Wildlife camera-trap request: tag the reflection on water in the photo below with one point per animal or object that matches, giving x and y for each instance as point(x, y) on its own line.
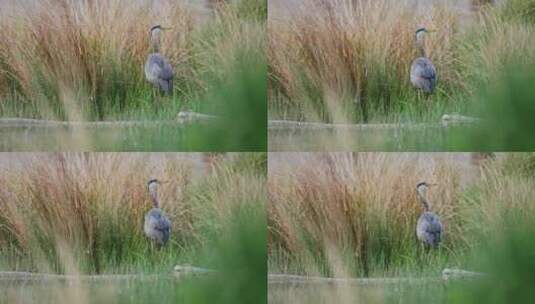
point(425, 292)
point(139, 138)
point(401, 139)
point(158, 290)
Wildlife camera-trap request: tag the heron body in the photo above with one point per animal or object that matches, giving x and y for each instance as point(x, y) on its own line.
point(423, 73)
point(428, 227)
point(157, 225)
point(158, 70)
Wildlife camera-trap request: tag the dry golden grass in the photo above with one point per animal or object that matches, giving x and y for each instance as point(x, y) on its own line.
point(505, 191)
point(92, 206)
point(357, 51)
point(349, 60)
point(494, 42)
point(364, 203)
point(81, 45)
point(84, 59)
point(234, 32)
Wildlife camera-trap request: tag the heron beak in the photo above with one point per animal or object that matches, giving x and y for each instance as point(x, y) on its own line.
point(166, 28)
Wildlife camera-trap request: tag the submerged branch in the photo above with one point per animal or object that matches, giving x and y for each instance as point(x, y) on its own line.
point(183, 119)
point(447, 275)
point(179, 272)
point(447, 120)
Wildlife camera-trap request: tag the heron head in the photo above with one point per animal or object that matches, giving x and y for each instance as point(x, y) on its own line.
point(423, 185)
point(157, 29)
point(155, 33)
point(153, 185)
point(420, 33)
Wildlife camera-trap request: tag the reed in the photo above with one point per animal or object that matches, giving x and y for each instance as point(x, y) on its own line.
point(343, 214)
point(83, 60)
point(84, 213)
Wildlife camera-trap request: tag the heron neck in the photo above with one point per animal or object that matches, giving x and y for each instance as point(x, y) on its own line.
point(421, 49)
point(420, 46)
point(423, 200)
point(155, 44)
point(154, 197)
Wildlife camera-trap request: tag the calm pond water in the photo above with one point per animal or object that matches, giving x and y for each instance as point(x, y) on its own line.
point(158, 290)
point(154, 137)
point(431, 292)
point(402, 139)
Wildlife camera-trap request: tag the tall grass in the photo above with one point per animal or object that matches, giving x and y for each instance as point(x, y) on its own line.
point(495, 41)
point(506, 258)
point(237, 252)
point(83, 213)
point(522, 10)
point(341, 55)
point(498, 65)
point(507, 100)
point(79, 60)
point(349, 61)
point(344, 214)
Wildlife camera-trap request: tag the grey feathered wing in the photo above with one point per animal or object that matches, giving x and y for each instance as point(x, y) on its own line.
point(164, 225)
point(159, 71)
point(423, 74)
point(429, 229)
point(157, 226)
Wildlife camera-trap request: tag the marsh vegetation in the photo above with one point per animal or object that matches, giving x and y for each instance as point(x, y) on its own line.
point(353, 215)
point(80, 214)
point(344, 214)
point(83, 61)
point(348, 62)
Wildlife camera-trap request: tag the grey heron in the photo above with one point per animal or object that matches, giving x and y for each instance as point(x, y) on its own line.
point(423, 72)
point(158, 70)
point(157, 225)
point(429, 227)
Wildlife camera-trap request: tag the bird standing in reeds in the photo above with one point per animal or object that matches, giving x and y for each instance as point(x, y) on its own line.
point(158, 70)
point(429, 227)
point(423, 73)
point(157, 225)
